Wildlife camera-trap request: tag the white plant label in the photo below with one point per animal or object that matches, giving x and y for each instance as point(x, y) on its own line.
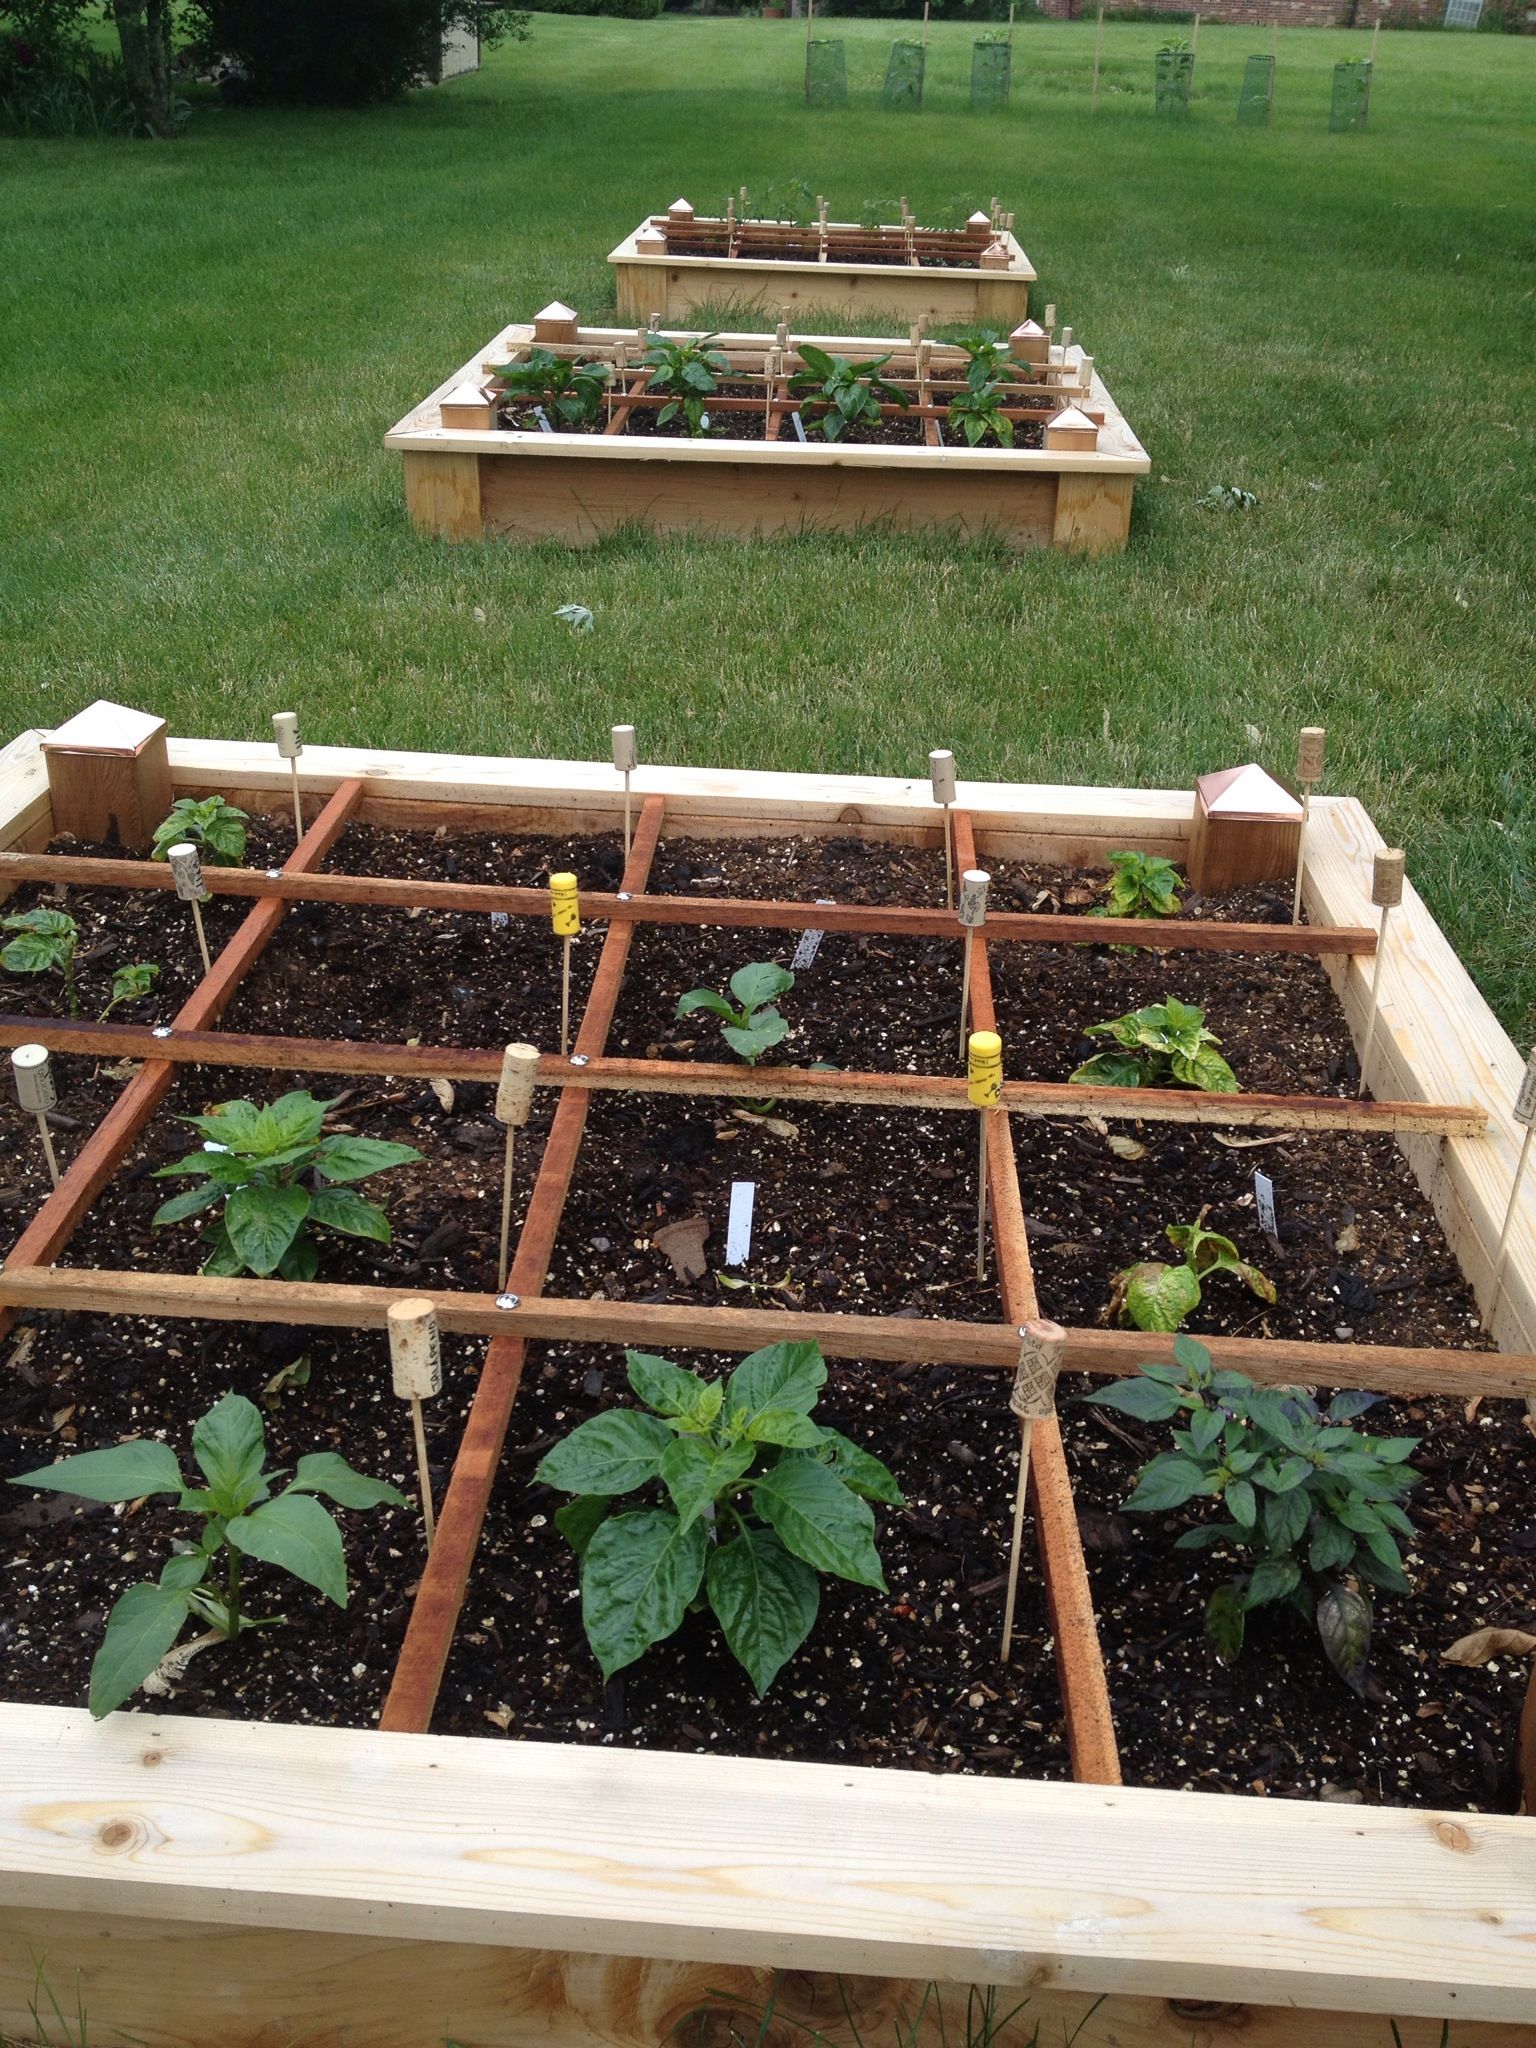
point(500, 919)
point(810, 944)
point(1525, 1101)
point(738, 1231)
point(1264, 1203)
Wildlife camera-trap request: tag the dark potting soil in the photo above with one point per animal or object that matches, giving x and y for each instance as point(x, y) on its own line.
point(444, 1210)
point(729, 424)
point(798, 869)
point(73, 1383)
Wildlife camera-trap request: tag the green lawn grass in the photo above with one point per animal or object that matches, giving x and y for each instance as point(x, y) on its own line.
point(202, 344)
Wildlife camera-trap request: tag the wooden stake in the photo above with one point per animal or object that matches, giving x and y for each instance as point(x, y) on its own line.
point(32, 1071)
point(285, 725)
point(1194, 38)
point(187, 871)
point(1010, 23)
point(1386, 894)
point(941, 772)
point(984, 1087)
point(416, 1358)
point(565, 915)
point(1375, 37)
point(1041, 1345)
point(1093, 98)
point(1309, 772)
point(1524, 1112)
point(972, 914)
point(514, 1106)
point(925, 25)
point(626, 760)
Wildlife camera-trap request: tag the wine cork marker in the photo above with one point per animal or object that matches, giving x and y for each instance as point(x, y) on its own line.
point(972, 913)
point(32, 1071)
point(984, 1090)
point(187, 872)
point(565, 914)
point(626, 760)
point(1524, 1112)
point(1309, 772)
point(514, 1106)
point(1041, 1346)
point(1386, 894)
point(285, 727)
point(941, 772)
point(416, 1362)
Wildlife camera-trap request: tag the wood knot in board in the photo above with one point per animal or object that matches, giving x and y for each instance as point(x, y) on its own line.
point(1451, 1834)
point(850, 814)
point(1206, 2010)
point(151, 1757)
point(117, 1835)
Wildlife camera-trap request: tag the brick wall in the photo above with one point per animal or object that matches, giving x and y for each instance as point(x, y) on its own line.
point(1288, 13)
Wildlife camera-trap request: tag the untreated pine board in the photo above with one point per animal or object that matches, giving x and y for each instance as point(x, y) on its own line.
point(442, 493)
point(918, 1092)
point(445, 1579)
point(248, 1987)
point(744, 1861)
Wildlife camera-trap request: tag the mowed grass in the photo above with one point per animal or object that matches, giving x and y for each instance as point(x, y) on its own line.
point(201, 346)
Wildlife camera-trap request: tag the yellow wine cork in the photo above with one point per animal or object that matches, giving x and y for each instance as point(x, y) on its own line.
point(941, 771)
point(285, 727)
point(1387, 878)
point(415, 1349)
point(1042, 1344)
point(1309, 753)
point(1525, 1101)
point(984, 1070)
point(564, 908)
point(32, 1071)
point(514, 1091)
point(187, 873)
point(625, 756)
point(974, 884)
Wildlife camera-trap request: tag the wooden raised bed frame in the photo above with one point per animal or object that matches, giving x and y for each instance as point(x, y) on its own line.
point(675, 282)
point(213, 1882)
point(465, 479)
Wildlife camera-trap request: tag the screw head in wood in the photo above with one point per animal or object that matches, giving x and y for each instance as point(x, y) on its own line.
point(509, 1301)
point(160, 1031)
point(32, 1071)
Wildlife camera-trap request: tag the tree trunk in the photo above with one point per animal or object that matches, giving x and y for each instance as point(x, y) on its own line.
point(143, 31)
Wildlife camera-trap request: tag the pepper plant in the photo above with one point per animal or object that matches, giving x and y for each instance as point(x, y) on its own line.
point(978, 410)
point(691, 370)
point(570, 393)
point(1157, 1296)
point(751, 1025)
point(130, 984)
point(241, 1518)
point(207, 822)
point(277, 1178)
point(1139, 885)
point(748, 1498)
point(1166, 1041)
point(847, 394)
point(1311, 1506)
point(48, 941)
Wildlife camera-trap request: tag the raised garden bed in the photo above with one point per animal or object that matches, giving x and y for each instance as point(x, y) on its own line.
point(1055, 467)
point(523, 1853)
point(676, 262)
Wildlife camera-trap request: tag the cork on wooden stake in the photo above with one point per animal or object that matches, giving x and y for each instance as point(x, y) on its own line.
point(941, 773)
point(32, 1071)
point(565, 914)
point(626, 760)
point(514, 1106)
point(416, 1362)
point(1386, 894)
point(1309, 772)
point(972, 912)
point(285, 729)
point(187, 872)
point(984, 1088)
point(1042, 1345)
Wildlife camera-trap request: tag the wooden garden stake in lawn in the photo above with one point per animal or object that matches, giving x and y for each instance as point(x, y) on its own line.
point(285, 724)
point(941, 770)
point(32, 1070)
point(514, 1105)
point(984, 1088)
point(1093, 97)
point(416, 1360)
point(565, 913)
point(187, 870)
point(1309, 772)
point(1386, 894)
point(972, 913)
point(1041, 1347)
point(626, 760)
point(1524, 1113)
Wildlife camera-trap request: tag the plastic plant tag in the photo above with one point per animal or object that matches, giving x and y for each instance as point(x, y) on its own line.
point(1264, 1204)
point(738, 1230)
point(810, 944)
point(1525, 1101)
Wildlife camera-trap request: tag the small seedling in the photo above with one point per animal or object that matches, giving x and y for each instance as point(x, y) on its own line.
point(130, 984)
point(691, 371)
point(757, 1498)
point(1311, 1504)
point(241, 1517)
point(1139, 885)
point(215, 828)
point(46, 944)
point(1157, 1296)
point(253, 1168)
point(845, 394)
point(569, 393)
point(750, 1026)
point(1166, 1041)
